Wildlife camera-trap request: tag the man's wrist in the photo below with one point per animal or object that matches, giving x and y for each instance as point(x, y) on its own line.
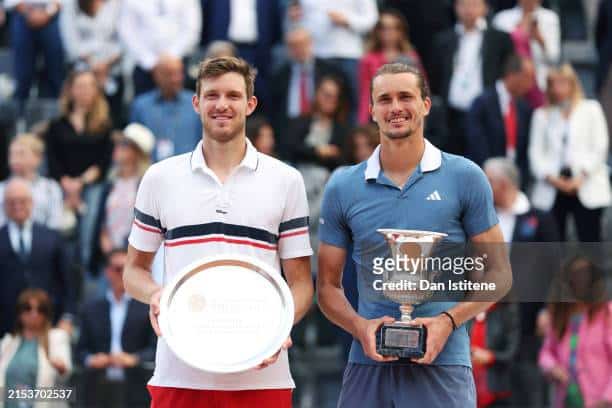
point(449, 317)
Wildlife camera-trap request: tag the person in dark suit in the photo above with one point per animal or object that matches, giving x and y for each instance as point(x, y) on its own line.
point(292, 85)
point(254, 38)
point(32, 256)
point(116, 341)
point(470, 57)
point(532, 235)
point(498, 120)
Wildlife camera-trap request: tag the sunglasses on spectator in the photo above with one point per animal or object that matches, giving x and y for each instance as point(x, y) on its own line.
point(41, 309)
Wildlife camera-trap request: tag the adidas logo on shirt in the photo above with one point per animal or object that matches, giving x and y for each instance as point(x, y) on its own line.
point(435, 196)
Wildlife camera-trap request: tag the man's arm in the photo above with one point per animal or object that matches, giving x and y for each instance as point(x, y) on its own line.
point(299, 279)
point(497, 271)
point(336, 307)
point(139, 282)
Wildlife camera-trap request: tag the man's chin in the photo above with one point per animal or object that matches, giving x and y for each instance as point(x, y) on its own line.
point(403, 134)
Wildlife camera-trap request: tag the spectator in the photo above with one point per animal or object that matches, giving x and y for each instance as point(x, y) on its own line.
point(576, 352)
point(32, 255)
point(536, 35)
point(494, 343)
point(318, 138)
point(425, 18)
point(254, 27)
point(337, 28)
point(132, 157)
point(221, 48)
point(90, 35)
point(155, 28)
point(388, 42)
point(470, 57)
point(34, 355)
point(520, 224)
point(25, 156)
point(603, 42)
point(116, 339)
point(167, 111)
point(79, 149)
point(498, 120)
point(567, 154)
point(260, 133)
point(360, 144)
point(34, 29)
point(292, 86)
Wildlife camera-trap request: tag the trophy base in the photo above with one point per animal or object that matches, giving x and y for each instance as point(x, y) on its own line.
point(401, 340)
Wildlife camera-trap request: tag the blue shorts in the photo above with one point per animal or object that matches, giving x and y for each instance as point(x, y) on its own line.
point(407, 386)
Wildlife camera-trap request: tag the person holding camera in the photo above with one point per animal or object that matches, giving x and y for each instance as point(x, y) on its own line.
point(567, 155)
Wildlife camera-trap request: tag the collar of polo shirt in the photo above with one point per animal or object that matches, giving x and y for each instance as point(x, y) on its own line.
point(249, 161)
point(431, 160)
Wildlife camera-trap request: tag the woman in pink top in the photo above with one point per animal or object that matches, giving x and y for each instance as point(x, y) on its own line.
point(388, 42)
point(577, 350)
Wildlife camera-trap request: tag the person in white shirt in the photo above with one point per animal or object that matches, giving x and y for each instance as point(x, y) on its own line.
point(536, 34)
point(253, 204)
point(149, 29)
point(568, 149)
point(337, 29)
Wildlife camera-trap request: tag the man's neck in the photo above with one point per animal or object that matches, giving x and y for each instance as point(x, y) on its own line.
point(509, 201)
point(168, 95)
point(469, 27)
point(223, 157)
point(27, 175)
point(118, 295)
point(400, 157)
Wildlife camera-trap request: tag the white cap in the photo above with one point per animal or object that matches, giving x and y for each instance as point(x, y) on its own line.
point(141, 136)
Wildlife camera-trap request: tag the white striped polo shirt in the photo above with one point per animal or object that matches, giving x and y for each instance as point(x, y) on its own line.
point(261, 211)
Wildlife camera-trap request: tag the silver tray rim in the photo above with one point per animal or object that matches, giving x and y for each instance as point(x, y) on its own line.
point(259, 267)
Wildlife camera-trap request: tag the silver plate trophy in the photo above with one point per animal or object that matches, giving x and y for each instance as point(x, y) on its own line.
point(226, 314)
point(403, 285)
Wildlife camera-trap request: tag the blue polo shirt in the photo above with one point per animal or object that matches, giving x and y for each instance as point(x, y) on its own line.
point(446, 193)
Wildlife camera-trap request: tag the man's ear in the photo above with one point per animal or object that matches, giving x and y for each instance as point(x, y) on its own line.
point(195, 102)
point(370, 107)
point(251, 104)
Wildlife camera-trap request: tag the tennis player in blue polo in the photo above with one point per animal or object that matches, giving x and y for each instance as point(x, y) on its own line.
point(407, 183)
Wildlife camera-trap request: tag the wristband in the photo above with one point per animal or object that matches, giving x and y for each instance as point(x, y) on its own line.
point(451, 319)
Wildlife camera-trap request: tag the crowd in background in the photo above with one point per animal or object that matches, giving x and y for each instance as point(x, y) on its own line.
point(118, 77)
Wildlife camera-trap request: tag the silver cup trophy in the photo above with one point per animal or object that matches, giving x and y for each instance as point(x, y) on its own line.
point(403, 285)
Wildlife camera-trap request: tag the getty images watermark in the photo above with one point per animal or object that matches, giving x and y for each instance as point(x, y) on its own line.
point(406, 273)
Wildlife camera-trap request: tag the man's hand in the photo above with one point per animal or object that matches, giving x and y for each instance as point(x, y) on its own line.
point(338, 18)
point(124, 360)
point(58, 365)
point(367, 338)
point(271, 360)
point(154, 311)
point(65, 325)
point(438, 330)
point(482, 356)
point(99, 360)
point(328, 151)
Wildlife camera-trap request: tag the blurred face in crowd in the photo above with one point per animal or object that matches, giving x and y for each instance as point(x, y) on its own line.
point(580, 279)
point(362, 149)
point(22, 160)
point(33, 314)
point(519, 83)
point(169, 76)
point(125, 154)
point(529, 5)
point(84, 90)
point(390, 31)
point(327, 97)
point(299, 45)
point(265, 140)
point(397, 105)
point(18, 201)
point(469, 11)
point(114, 272)
point(560, 88)
point(500, 186)
point(223, 106)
